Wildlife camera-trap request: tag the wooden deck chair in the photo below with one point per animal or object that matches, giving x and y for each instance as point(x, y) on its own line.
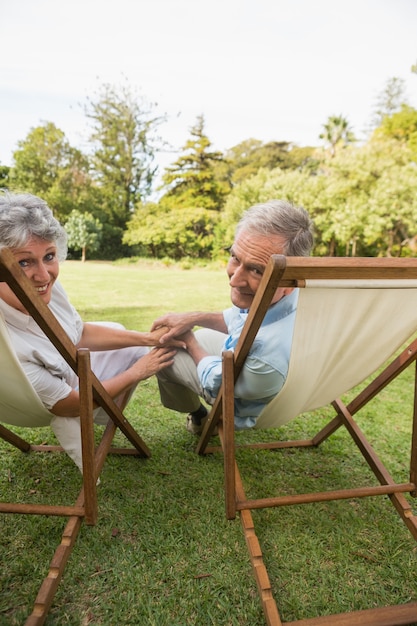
point(21, 407)
point(352, 316)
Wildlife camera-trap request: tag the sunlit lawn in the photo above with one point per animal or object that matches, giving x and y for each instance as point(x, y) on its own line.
point(162, 552)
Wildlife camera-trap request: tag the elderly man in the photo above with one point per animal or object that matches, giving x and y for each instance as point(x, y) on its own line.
point(275, 227)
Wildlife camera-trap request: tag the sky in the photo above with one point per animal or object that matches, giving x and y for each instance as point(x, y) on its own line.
point(272, 70)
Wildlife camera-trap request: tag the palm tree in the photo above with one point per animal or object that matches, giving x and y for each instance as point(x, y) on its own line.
point(336, 133)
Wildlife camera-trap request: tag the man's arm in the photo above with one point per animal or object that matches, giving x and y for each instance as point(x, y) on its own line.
point(257, 381)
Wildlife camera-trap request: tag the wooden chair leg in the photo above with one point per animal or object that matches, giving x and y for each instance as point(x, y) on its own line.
point(50, 584)
point(87, 437)
point(14, 439)
point(260, 572)
point(227, 435)
point(413, 456)
point(117, 416)
point(57, 565)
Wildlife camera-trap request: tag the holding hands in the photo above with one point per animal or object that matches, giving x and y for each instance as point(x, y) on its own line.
point(171, 326)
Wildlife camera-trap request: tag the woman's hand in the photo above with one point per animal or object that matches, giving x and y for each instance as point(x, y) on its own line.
point(148, 365)
point(152, 362)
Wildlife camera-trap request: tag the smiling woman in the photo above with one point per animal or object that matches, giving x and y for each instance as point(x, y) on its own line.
point(120, 358)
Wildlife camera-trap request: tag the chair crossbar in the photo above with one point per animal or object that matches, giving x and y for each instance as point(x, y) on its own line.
point(325, 496)
point(403, 615)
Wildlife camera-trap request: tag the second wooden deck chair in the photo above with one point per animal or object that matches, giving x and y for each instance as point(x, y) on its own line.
point(352, 316)
point(20, 407)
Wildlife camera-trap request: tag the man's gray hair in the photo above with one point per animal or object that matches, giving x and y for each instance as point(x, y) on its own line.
point(279, 217)
point(23, 216)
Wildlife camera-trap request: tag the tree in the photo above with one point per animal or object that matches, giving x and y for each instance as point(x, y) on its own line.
point(46, 165)
point(389, 100)
point(264, 186)
point(401, 126)
point(248, 157)
point(191, 180)
point(363, 201)
point(84, 232)
point(337, 133)
point(158, 231)
point(39, 158)
point(124, 145)
point(182, 223)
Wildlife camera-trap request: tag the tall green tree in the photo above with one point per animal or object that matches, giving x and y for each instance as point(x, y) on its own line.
point(191, 181)
point(46, 165)
point(337, 133)
point(124, 142)
point(39, 159)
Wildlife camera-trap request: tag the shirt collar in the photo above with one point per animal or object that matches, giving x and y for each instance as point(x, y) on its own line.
point(279, 310)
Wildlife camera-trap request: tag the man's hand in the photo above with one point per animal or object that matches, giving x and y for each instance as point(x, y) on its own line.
point(180, 323)
point(172, 325)
point(160, 336)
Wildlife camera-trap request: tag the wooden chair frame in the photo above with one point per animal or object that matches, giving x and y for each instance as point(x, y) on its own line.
point(86, 506)
point(293, 271)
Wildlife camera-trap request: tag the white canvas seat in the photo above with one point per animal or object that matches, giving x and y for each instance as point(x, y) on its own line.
point(342, 334)
point(29, 410)
point(352, 315)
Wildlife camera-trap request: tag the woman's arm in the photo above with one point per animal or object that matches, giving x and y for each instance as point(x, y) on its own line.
point(101, 337)
point(149, 364)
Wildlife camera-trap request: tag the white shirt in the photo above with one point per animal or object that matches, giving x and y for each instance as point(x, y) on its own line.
point(49, 373)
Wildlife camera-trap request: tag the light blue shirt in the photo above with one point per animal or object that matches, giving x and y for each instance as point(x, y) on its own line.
point(266, 366)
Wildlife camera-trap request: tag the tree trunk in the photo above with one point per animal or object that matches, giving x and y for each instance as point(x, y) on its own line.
point(332, 247)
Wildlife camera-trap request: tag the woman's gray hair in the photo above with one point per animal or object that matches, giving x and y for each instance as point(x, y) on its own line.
point(23, 216)
point(279, 217)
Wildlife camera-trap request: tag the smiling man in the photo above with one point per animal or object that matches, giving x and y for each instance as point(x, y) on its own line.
point(275, 227)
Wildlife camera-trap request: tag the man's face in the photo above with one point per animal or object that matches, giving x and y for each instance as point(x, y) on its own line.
point(249, 256)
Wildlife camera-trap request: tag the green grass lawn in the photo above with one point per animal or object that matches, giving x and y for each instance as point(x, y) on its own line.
point(162, 553)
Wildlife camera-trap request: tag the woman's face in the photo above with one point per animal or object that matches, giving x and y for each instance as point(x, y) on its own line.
point(38, 259)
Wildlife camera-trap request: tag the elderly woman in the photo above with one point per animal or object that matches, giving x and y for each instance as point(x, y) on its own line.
point(119, 358)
